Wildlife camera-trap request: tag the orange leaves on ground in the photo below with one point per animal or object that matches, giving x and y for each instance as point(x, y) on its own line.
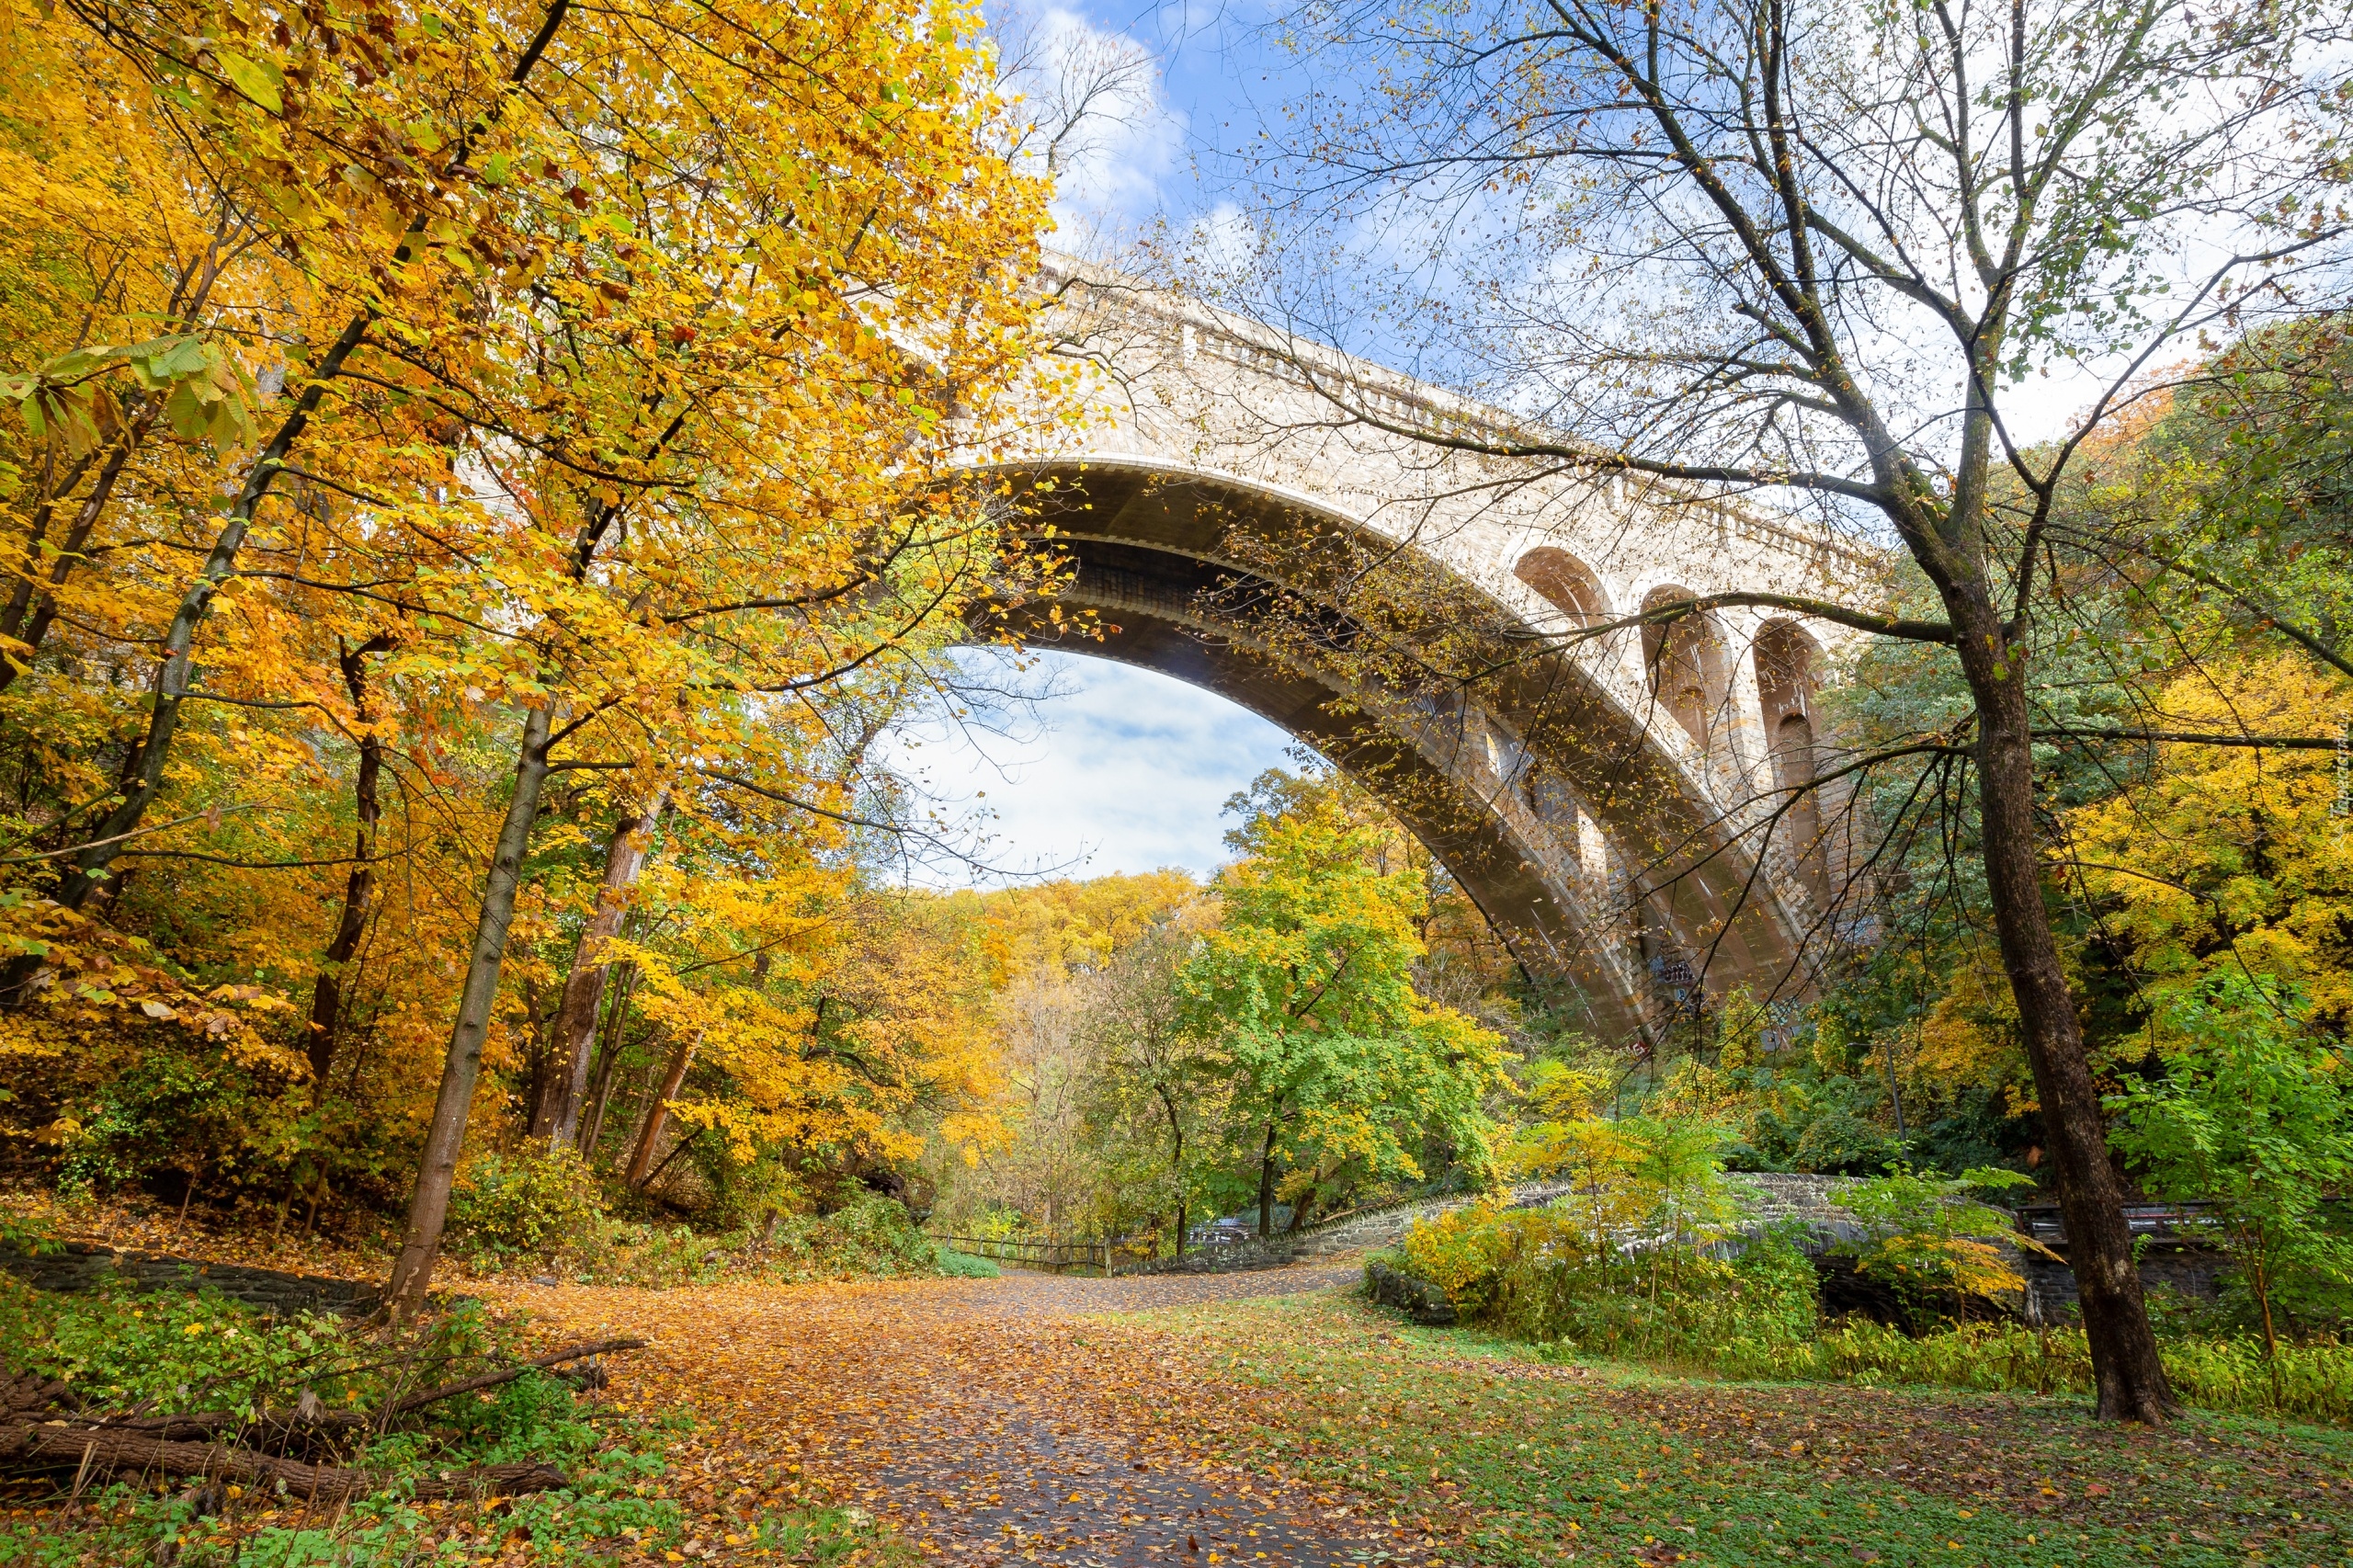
point(987, 1420)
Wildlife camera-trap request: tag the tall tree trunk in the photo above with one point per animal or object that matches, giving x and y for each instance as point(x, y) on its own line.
point(535, 1051)
point(143, 774)
point(600, 1091)
point(1175, 1161)
point(648, 1136)
point(1267, 1184)
point(41, 603)
point(556, 1116)
point(2132, 1383)
point(360, 888)
point(438, 1167)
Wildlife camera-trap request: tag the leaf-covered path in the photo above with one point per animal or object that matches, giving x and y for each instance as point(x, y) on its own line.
point(985, 1418)
point(1012, 1420)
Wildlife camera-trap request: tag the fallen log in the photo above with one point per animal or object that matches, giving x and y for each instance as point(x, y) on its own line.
point(23, 1393)
point(508, 1374)
point(214, 1443)
point(100, 1450)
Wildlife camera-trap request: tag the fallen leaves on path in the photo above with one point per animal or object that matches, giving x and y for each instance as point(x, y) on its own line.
point(1035, 1419)
point(986, 1418)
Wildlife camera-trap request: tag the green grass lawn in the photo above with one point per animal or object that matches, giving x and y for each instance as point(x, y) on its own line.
point(1488, 1451)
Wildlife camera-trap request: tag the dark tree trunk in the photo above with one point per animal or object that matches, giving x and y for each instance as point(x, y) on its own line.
point(563, 1067)
point(1175, 1161)
point(1266, 1184)
point(600, 1092)
point(2132, 1383)
point(461, 1067)
point(1307, 1201)
point(649, 1136)
point(360, 888)
point(535, 1053)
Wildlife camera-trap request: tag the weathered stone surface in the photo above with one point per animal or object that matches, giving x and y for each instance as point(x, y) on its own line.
point(1273, 1252)
point(1418, 1298)
point(2193, 1271)
point(84, 1265)
point(1598, 810)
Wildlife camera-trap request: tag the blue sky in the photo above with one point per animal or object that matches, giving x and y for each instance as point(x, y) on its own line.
point(1116, 770)
point(1124, 770)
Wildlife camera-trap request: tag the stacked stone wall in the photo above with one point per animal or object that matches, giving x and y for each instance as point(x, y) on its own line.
point(86, 1266)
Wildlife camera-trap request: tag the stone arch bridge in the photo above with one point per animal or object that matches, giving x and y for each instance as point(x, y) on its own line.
point(1619, 800)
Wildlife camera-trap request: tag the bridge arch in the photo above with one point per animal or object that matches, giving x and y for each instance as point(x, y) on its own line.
point(1566, 583)
point(1788, 664)
point(1690, 669)
point(1562, 811)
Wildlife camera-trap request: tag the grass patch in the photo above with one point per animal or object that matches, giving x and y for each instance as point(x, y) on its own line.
point(964, 1266)
point(1487, 1451)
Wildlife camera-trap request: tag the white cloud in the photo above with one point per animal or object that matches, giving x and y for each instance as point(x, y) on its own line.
point(1123, 770)
point(1093, 115)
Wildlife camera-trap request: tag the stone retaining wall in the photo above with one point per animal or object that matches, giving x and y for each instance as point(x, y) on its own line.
point(1418, 1298)
point(1274, 1252)
point(84, 1265)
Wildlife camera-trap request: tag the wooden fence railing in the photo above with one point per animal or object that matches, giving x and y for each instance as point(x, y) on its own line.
point(1103, 1257)
point(2158, 1221)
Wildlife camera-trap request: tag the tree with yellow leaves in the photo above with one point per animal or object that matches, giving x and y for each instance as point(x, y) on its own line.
point(2234, 859)
point(632, 364)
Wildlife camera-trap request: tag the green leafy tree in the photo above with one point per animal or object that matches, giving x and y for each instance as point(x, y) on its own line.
point(1925, 1235)
point(1153, 1091)
point(1305, 989)
point(2255, 1117)
point(1679, 1166)
point(2241, 496)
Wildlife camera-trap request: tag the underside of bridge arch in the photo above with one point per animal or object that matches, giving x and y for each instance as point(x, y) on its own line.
point(1467, 765)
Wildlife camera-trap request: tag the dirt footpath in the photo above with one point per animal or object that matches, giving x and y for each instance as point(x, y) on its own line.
point(985, 1418)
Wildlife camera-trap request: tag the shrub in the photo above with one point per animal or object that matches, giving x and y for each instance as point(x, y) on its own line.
point(1732, 1312)
point(874, 1236)
point(2253, 1115)
point(1543, 1275)
point(1459, 1251)
point(2314, 1381)
point(534, 1204)
point(962, 1265)
point(1928, 1241)
point(1754, 1316)
point(202, 1351)
point(877, 1235)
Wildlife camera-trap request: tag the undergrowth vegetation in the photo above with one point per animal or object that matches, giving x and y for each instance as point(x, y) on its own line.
point(1657, 1257)
point(120, 1352)
point(547, 1213)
